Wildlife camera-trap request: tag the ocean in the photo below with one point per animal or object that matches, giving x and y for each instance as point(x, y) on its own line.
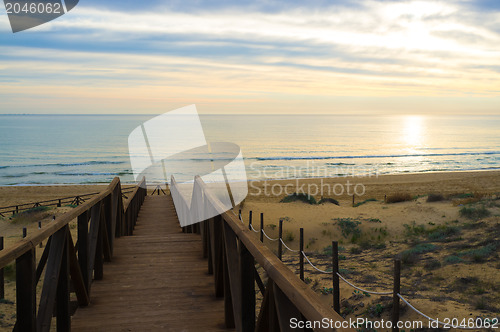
point(89, 149)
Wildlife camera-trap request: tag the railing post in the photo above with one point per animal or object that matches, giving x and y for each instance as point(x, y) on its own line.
point(26, 292)
point(59, 203)
point(108, 221)
point(2, 282)
point(336, 286)
point(62, 304)
point(228, 297)
point(247, 268)
point(209, 246)
point(40, 227)
point(203, 229)
point(261, 227)
point(99, 261)
point(280, 245)
point(83, 248)
point(395, 297)
point(216, 241)
point(301, 256)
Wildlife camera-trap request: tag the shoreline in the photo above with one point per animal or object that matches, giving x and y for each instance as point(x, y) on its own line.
point(23, 194)
point(367, 175)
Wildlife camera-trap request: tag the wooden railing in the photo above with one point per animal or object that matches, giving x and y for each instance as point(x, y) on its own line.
point(99, 220)
point(232, 251)
point(57, 202)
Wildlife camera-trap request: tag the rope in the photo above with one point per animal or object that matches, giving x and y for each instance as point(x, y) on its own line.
point(269, 237)
point(434, 320)
point(239, 216)
point(288, 247)
point(361, 289)
point(322, 271)
point(253, 229)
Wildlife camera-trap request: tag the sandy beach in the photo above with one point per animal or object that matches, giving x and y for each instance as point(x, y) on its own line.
point(435, 240)
point(445, 279)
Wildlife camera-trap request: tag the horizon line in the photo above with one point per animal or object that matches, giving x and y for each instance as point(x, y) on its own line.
point(246, 114)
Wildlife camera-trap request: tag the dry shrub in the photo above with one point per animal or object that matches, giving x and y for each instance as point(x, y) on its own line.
point(399, 197)
point(435, 198)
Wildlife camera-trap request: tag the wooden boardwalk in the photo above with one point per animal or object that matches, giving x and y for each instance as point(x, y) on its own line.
point(157, 280)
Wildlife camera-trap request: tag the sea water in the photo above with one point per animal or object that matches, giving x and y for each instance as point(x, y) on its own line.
point(84, 149)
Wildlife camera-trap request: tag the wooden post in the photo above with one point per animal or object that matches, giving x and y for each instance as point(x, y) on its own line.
point(25, 232)
point(228, 298)
point(99, 251)
point(385, 198)
point(40, 227)
point(26, 292)
point(203, 230)
point(395, 297)
point(247, 268)
point(336, 286)
point(352, 199)
point(2, 289)
point(209, 246)
point(250, 220)
point(59, 203)
point(301, 256)
point(62, 293)
point(83, 247)
point(261, 227)
point(280, 245)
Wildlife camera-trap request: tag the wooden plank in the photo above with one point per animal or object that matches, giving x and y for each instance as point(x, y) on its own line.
point(76, 275)
point(285, 310)
point(49, 290)
point(42, 261)
point(156, 280)
point(267, 320)
point(95, 218)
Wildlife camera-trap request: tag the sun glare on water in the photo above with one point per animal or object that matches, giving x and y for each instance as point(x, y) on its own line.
point(413, 131)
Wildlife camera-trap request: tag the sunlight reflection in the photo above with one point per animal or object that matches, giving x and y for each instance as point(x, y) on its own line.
point(412, 131)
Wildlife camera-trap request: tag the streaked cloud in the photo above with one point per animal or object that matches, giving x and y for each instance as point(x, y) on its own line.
point(263, 57)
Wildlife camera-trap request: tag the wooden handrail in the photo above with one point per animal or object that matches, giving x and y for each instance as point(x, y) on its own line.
point(100, 219)
point(31, 241)
point(283, 283)
point(55, 201)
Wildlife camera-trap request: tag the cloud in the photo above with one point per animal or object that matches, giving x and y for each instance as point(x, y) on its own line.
point(222, 53)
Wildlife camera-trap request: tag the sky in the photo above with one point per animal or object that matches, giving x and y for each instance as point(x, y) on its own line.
point(256, 57)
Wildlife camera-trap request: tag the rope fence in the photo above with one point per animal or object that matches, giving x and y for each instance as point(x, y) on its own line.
point(269, 238)
point(361, 289)
point(336, 275)
point(317, 269)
